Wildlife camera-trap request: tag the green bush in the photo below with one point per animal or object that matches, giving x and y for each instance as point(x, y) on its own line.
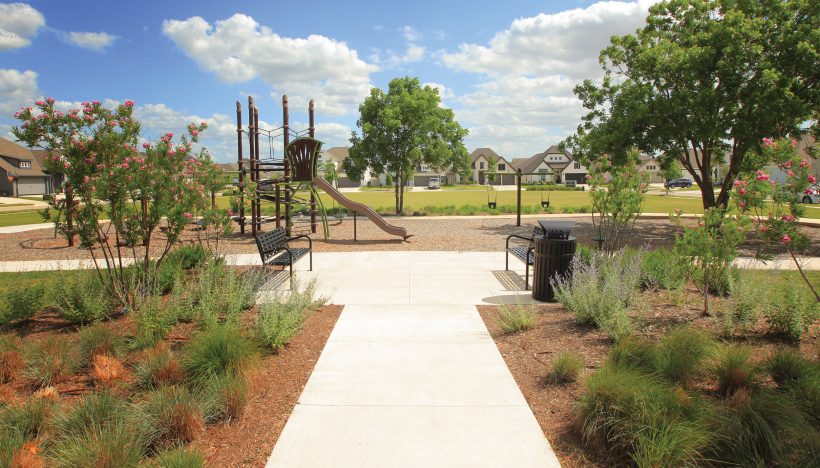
point(50, 361)
point(635, 353)
point(180, 457)
point(790, 313)
point(21, 303)
point(661, 269)
point(173, 416)
point(565, 367)
point(166, 276)
point(513, 319)
point(734, 371)
point(747, 297)
point(682, 352)
point(223, 397)
point(81, 298)
point(216, 352)
point(637, 415)
point(153, 320)
point(188, 256)
point(28, 418)
point(99, 339)
point(800, 379)
point(278, 320)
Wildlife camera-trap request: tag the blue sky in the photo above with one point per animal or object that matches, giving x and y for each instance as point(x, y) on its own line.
point(506, 68)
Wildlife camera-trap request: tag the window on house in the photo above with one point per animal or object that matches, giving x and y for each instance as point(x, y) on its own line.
point(577, 165)
point(25, 164)
point(650, 168)
point(543, 175)
point(473, 165)
point(481, 165)
point(502, 167)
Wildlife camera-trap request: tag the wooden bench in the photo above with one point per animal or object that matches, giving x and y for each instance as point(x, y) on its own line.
point(523, 253)
point(275, 250)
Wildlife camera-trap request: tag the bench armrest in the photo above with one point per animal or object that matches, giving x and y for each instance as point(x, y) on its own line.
point(303, 236)
point(528, 239)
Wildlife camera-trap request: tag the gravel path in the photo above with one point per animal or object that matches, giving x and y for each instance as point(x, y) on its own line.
point(429, 234)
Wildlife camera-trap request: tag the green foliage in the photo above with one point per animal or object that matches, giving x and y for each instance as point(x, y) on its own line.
point(790, 313)
point(279, 320)
point(50, 361)
point(28, 418)
point(708, 249)
point(799, 378)
point(682, 352)
point(748, 296)
point(218, 295)
point(173, 415)
point(565, 367)
point(599, 292)
point(153, 319)
point(159, 367)
point(99, 339)
point(81, 298)
point(180, 457)
point(21, 303)
point(223, 397)
point(662, 269)
point(513, 319)
point(188, 256)
point(734, 371)
point(402, 129)
point(10, 443)
point(216, 352)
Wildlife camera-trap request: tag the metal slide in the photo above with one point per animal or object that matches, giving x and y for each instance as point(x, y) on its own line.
point(361, 209)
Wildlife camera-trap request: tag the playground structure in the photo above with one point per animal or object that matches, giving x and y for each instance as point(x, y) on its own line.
point(278, 180)
point(518, 175)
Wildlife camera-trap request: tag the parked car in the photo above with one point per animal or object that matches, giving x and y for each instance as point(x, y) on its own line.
point(434, 183)
point(812, 195)
point(683, 183)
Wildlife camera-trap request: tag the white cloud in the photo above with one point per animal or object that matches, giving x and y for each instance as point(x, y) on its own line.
point(96, 41)
point(239, 49)
point(565, 43)
point(411, 34)
point(16, 89)
point(414, 53)
point(18, 24)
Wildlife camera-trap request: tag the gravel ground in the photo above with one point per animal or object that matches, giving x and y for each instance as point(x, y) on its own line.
point(451, 234)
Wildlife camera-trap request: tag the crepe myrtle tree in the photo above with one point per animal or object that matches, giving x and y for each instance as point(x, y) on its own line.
point(96, 149)
point(402, 129)
point(775, 208)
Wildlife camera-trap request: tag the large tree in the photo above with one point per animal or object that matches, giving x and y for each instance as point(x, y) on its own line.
point(402, 129)
point(711, 77)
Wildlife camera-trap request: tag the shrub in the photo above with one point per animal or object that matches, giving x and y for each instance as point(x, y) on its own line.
point(173, 416)
point(790, 313)
point(50, 361)
point(635, 353)
point(800, 379)
point(565, 367)
point(513, 319)
point(21, 303)
point(223, 398)
point(106, 370)
point(10, 359)
point(733, 370)
point(166, 276)
point(239, 292)
point(159, 367)
point(11, 442)
point(99, 340)
point(278, 320)
point(217, 352)
point(747, 295)
point(102, 431)
point(599, 292)
point(81, 298)
point(681, 353)
point(180, 457)
point(153, 320)
point(661, 269)
point(188, 256)
point(28, 418)
point(638, 415)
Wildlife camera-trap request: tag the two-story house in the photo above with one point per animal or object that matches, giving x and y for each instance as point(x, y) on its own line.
point(480, 160)
point(551, 166)
point(22, 173)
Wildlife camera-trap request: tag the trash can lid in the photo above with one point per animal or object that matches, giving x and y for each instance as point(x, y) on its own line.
point(556, 229)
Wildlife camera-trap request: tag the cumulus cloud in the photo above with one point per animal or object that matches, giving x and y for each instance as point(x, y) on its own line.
point(411, 34)
point(18, 24)
point(567, 42)
point(17, 88)
point(96, 41)
point(239, 49)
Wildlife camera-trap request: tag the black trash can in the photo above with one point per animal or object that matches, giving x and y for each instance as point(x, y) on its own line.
point(553, 256)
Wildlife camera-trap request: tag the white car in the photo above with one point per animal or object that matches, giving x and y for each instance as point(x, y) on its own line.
point(434, 183)
point(812, 195)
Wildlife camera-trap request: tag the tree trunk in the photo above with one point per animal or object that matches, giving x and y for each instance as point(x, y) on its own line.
point(397, 188)
point(69, 213)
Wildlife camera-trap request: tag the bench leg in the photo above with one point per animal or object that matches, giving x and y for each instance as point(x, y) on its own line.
point(310, 252)
point(507, 260)
point(526, 276)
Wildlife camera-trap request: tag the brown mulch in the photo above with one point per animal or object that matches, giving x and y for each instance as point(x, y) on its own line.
point(429, 234)
point(529, 356)
point(275, 389)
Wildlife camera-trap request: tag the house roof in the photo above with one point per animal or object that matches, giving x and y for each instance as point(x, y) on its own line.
point(529, 164)
point(10, 149)
point(339, 153)
point(486, 152)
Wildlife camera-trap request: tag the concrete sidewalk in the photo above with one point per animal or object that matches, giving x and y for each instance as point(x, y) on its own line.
point(410, 376)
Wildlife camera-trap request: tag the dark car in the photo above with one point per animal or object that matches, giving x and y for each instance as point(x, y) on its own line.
point(683, 183)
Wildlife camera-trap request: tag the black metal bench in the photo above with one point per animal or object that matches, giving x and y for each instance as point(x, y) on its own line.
point(275, 250)
point(523, 253)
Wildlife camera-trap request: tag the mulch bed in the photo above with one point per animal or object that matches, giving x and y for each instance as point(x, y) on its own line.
point(529, 355)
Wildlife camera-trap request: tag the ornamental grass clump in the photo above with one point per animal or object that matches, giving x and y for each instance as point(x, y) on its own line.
point(681, 354)
point(279, 319)
point(734, 371)
point(173, 415)
point(516, 318)
point(565, 367)
point(28, 418)
point(223, 397)
point(799, 378)
point(11, 361)
point(50, 361)
point(189, 256)
point(100, 340)
point(21, 303)
point(179, 457)
point(217, 352)
point(159, 367)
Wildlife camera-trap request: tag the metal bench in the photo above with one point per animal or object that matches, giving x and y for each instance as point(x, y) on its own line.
point(523, 253)
point(275, 250)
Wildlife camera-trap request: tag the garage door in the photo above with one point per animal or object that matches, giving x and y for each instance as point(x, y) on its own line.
point(578, 177)
point(344, 182)
point(421, 181)
point(31, 186)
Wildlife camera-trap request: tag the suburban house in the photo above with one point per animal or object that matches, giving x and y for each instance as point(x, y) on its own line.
point(22, 171)
point(551, 166)
point(480, 165)
point(338, 154)
point(650, 166)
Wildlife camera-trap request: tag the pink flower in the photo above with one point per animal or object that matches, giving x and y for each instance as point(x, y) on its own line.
point(65, 165)
point(742, 191)
point(39, 103)
point(187, 215)
point(790, 173)
point(145, 145)
point(194, 132)
point(96, 103)
point(737, 183)
point(129, 103)
point(762, 176)
point(812, 179)
point(86, 179)
point(767, 142)
point(764, 228)
point(788, 218)
point(787, 164)
point(743, 204)
point(785, 239)
point(50, 100)
point(793, 143)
